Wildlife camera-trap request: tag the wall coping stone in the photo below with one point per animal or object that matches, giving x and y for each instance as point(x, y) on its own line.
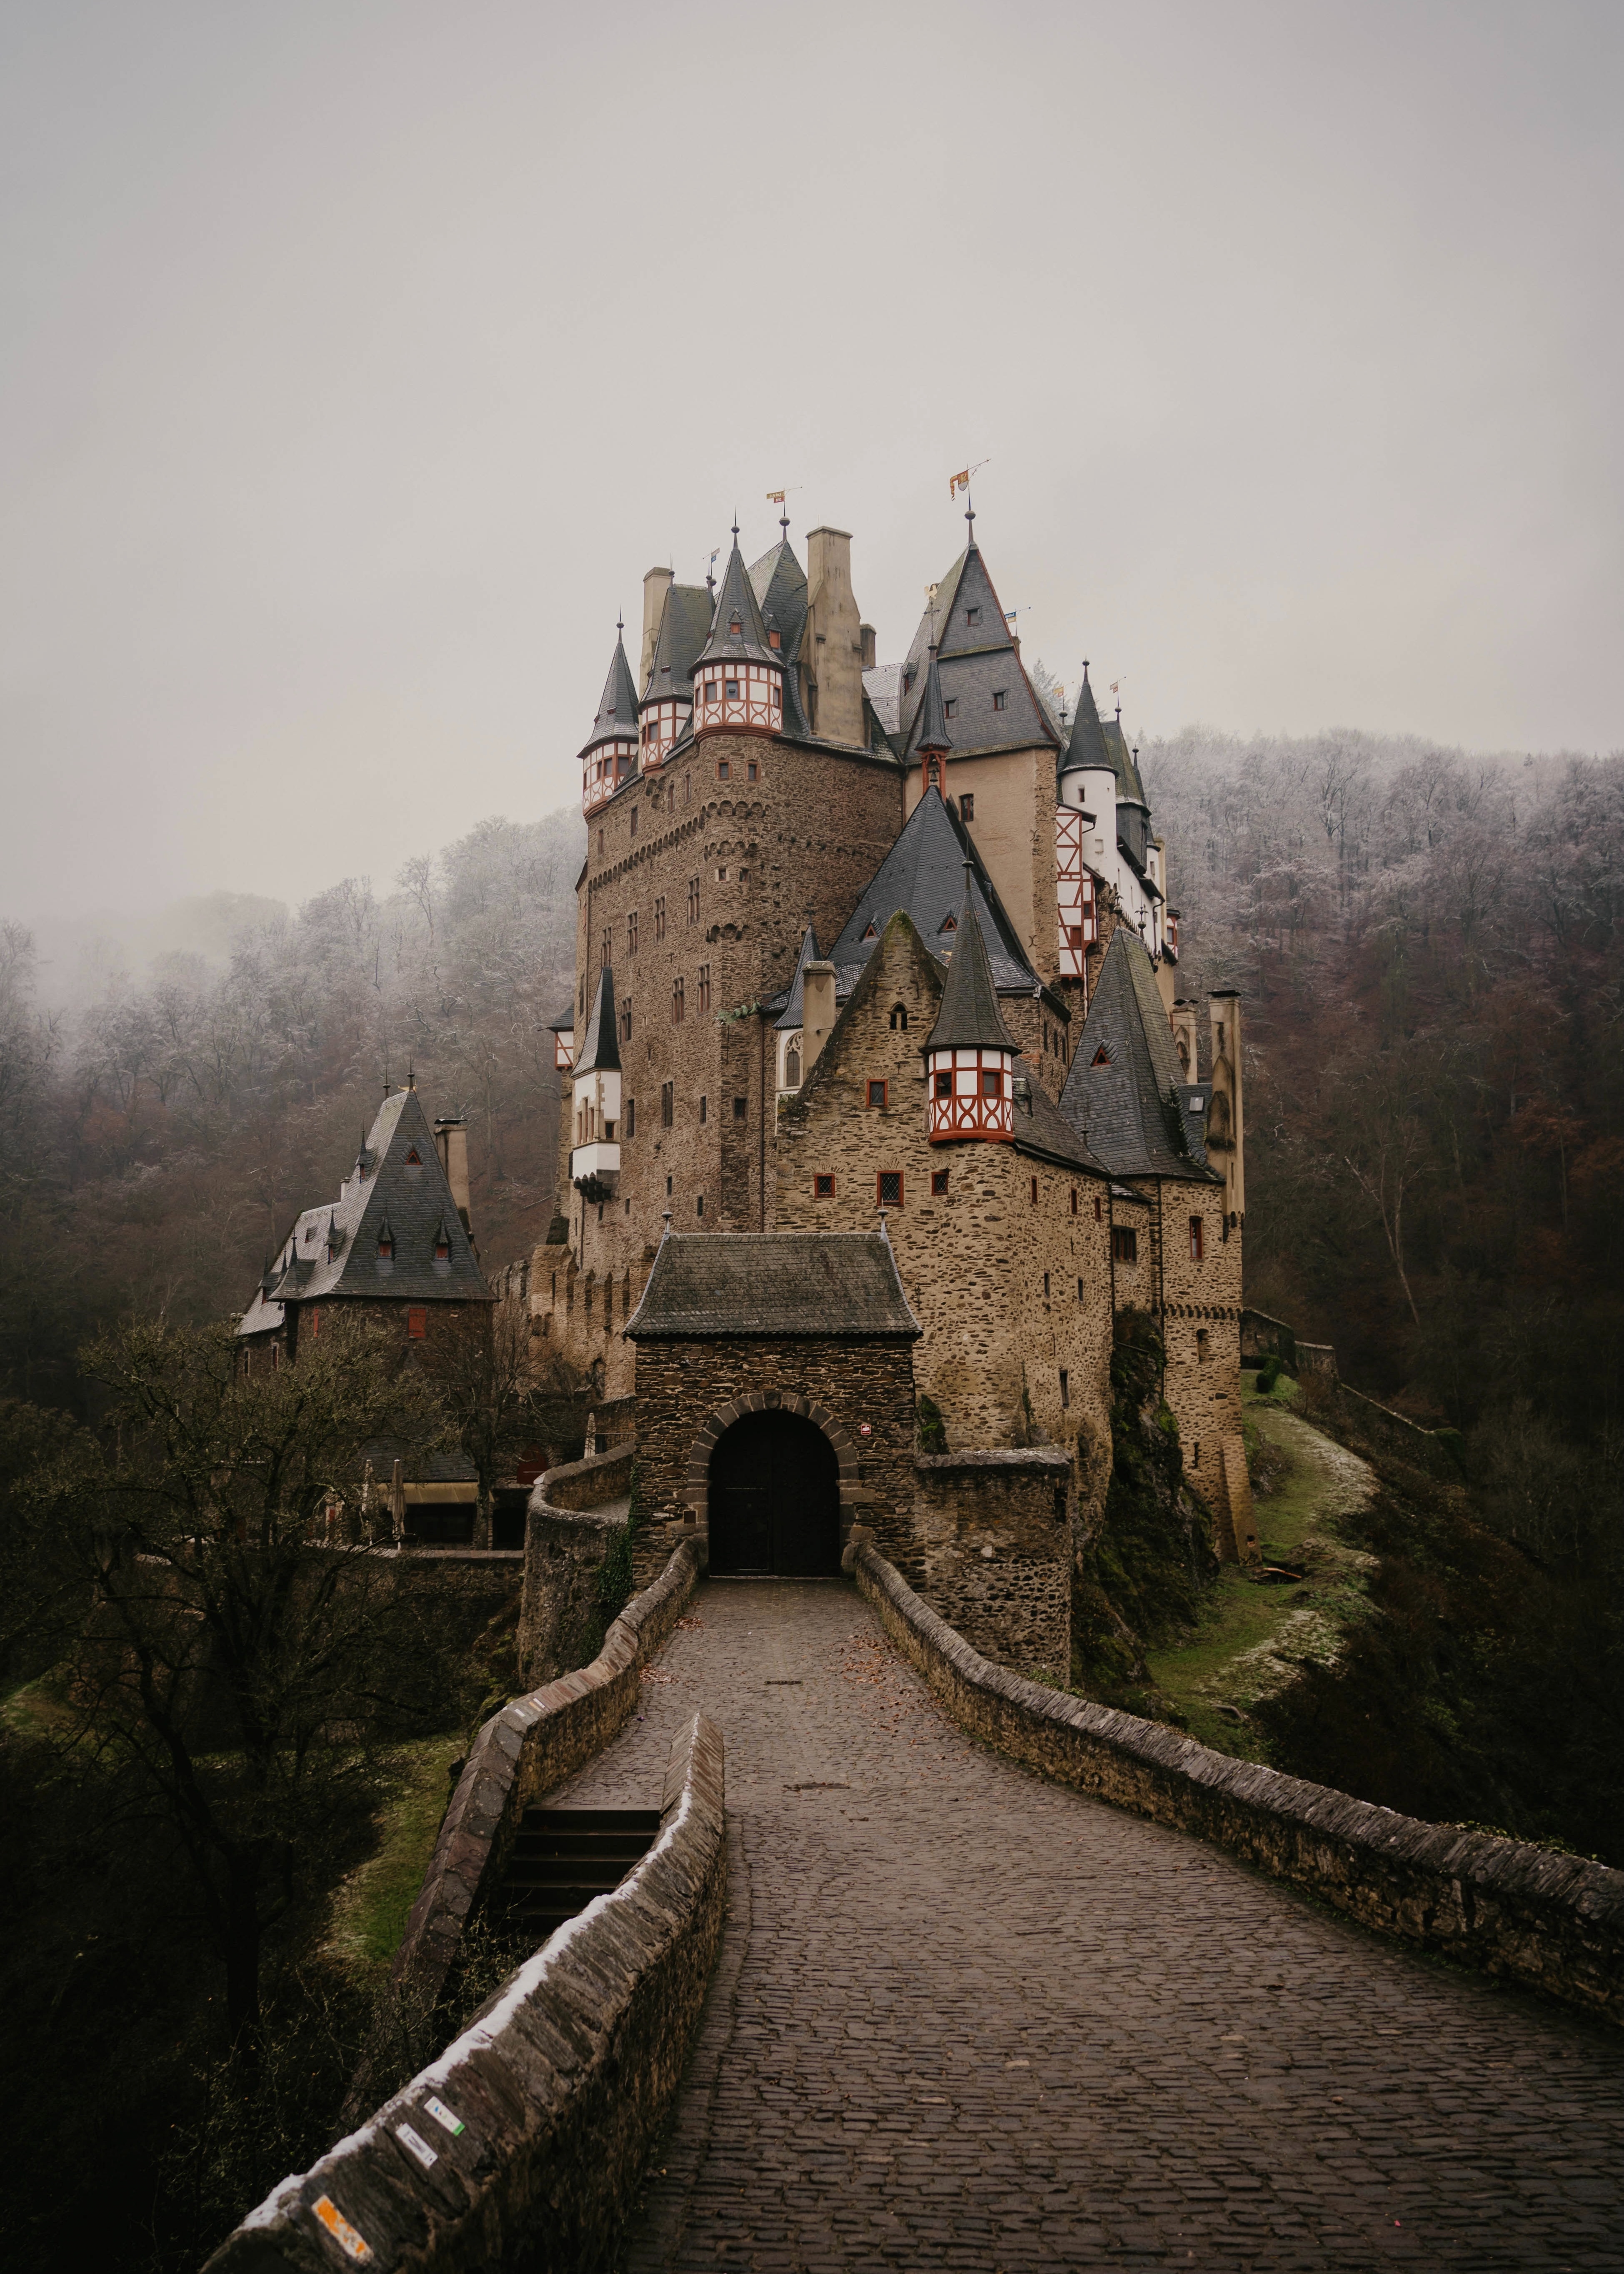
point(557, 2086)
point(587, 1470)
point(1553, 1922)
point(532, 1744)
point(1020, 1456)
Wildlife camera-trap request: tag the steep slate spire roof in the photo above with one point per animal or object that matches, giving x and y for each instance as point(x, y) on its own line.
point(923, 872)
point(1087, 746)
point(684, 627)
point(779, 584)
point(617, 707)
point(969, 1018)
point(977, 660)
point(795, 1010)
point(1130, 789)
point(1130, 1107)
point(600, 1052)
point(932, 733)
point(737, 599)
point(410, 1199)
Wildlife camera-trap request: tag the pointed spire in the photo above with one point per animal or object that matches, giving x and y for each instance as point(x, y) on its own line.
point(736, 603)
point(386, 1239)
point(794, 1009)
point(932, 734)
point(600, 1052)
point(1087, 750)
point(970, 1019)
point(616, 719)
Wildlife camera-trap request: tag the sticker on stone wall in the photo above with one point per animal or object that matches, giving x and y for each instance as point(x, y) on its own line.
point(412, 2139)
point(353, 2245)
point(442, 2115)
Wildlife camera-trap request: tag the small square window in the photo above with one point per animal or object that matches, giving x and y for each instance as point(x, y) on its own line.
point(992, 1082)
point(949, 708)
point(938, 1184)
point(944, 1085)
point(724, 770)
point(732, 691)
point(973, 615)
point(876, 1093)
point(888, 1189)
point(741, 1107)
point(416, 1324)
point(966, 806)
point(824, 1186)
point(998, 699)
point(775, 639)
point(752, 771)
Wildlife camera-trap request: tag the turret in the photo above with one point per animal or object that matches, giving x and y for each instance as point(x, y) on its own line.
point(932, 741)
point(681, 630)
point(596, 1149)
point(609, 755)
point(738, 677)
point(970, 1055)
point(1085, 832)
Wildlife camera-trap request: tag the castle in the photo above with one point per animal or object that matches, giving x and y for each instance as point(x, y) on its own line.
point(879, 1101)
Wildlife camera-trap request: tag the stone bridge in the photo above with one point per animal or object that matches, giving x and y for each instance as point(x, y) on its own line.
point(962, 2016)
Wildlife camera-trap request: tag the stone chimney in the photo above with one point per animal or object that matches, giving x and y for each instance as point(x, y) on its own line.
point(451, 1142)
point(817, 1011)
point(870, 648)
point(832, 650)
point(656, 585)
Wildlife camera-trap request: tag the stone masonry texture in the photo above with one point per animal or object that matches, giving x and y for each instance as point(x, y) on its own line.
point(966, 2018)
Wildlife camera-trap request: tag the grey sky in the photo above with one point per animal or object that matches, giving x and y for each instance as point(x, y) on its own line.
point(357, 361)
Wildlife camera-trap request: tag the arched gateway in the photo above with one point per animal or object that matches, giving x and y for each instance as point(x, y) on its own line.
point(774, 1495)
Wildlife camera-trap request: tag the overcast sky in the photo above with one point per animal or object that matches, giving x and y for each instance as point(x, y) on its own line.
point(355, 363)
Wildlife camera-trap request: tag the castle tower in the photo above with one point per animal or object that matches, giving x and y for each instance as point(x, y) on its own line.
point(970, 1057)
point(1085, 832)
point(931, 743)
point(738, 677)
point(1226, 1118)
point(609, 755)
point(596, 1150)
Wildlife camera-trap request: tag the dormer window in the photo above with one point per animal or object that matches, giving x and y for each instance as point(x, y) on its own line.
point(999, 698)
point(775, 639)
point(949, 923)
point(735, 627)
point(1102, 1057)
point(973, 615)
point(951, 708)
point(907, 683)
point(871, 933)
point(414, 1159)
point(442, 1249)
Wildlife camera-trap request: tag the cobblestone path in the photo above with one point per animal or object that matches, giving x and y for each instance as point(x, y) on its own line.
point(965, 2019)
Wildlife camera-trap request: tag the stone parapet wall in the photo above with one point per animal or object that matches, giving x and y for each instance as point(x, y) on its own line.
point(594, 1482)
point(1555, 1923)
point(531, 1745)
point(996, 1551)
point(524, 2142)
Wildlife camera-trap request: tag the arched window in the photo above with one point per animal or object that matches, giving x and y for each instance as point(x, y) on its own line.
point(792, 1066)
point(898, 1018)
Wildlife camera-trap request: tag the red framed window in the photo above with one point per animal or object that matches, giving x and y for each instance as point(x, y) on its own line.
point(944, 1085)
point(992, 1082)
point(938, 1184)
point(876, 1093)
point(315, 1322)
point(824, 1185)
point(416, 1324)
point(888, 1189)
point(1197, 1240)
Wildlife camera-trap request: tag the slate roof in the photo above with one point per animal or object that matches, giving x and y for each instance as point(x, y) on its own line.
point(600, 1052)
point(617, 706)
point(1086, 748)
point(1043, 1131)
point(684, 628)
point(782, 1285)
point(794, 1007)
point(1130, 1111)
point(976, 662)
point(1123, 763)
point(923, 872)
point(385, 1187)
point(779, 584)
point(969, 1018)
point(737, 599)
point(883, 686)
point(930, 732)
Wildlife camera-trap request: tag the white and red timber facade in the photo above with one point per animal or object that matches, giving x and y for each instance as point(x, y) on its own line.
point(987, 1066)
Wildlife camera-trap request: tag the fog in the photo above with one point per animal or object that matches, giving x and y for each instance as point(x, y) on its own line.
point(358, 361)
